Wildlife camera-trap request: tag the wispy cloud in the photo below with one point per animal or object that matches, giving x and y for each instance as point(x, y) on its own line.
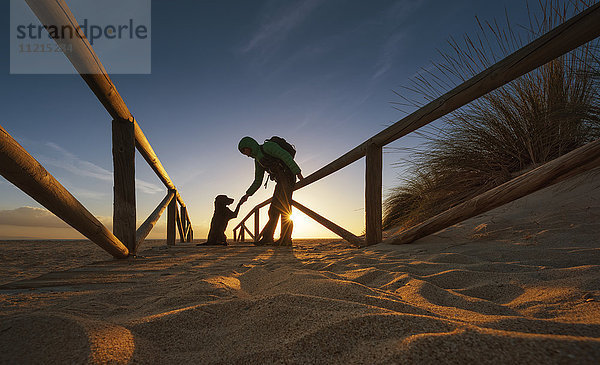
point(41, 218)
point(277, 25)
point(80, 167)
point(86, 193)
point(189, 177)
point(148, 187)
point(390, 51)
point(77, 166)
point(30, 217)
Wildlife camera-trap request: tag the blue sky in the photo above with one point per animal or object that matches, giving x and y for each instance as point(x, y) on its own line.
point(318, 72)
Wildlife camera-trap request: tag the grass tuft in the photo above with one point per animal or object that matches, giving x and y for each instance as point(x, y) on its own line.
point(532, 120)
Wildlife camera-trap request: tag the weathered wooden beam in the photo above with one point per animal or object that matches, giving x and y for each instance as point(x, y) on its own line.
point(582, 159)
point(242, 235)
point(124, 209)
point(250, 233)
point(373, 187)
point(348, 236)
point(171, 222)
point(235, 235)
point(184, 222)
point(179, 222)
point(146, 227)
point(189, 226)
point(256, 225)
point(576, 31)
point(86, 62)
point(22, 170)
point(186, 233)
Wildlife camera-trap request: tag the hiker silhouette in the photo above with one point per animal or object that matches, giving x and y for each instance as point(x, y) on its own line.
point(276, 157)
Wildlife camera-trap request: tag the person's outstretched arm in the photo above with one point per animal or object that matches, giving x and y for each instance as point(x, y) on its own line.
point(259, 174)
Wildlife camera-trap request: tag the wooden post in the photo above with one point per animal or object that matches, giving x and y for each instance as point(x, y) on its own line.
point(171, 219)
point(124, 213)
point(575, 162)
point(256, 225)
point(373, 186)
point(21, 169)
point(235, 235)
point(242, 233)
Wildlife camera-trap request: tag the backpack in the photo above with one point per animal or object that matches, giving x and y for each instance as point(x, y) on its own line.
point(283, 144)
point(272, 164)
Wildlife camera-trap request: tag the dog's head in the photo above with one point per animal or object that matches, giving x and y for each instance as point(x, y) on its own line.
point(222, 201)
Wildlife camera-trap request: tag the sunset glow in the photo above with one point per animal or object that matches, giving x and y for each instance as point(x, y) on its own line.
point(302, 224)
point(304, 79)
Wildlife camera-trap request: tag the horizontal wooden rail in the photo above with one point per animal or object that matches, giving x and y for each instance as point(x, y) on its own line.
point(87, 63)
point(348, 236)
point(146, 227)
point(578, 30)
point(21, 169)
point(580, 160)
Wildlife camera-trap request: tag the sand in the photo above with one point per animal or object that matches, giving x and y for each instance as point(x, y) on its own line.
point(520, 284)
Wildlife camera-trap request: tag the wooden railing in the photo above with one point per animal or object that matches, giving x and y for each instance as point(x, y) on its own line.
point(21, 169)
point(575, 32)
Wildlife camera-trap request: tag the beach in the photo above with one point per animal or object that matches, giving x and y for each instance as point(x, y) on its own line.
point(519, 284)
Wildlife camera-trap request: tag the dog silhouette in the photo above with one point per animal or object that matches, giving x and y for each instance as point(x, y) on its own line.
point(221, 217)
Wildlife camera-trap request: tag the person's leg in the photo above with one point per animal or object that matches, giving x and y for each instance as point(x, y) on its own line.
point(287, 226)
point(274, 213)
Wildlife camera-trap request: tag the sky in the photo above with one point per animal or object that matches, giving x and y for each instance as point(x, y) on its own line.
point(321, 73)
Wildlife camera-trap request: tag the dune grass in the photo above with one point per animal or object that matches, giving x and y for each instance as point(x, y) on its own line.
point(534, 119)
